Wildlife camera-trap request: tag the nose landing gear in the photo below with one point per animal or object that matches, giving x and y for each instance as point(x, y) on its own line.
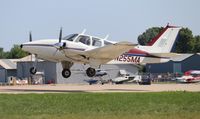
point(33, 70)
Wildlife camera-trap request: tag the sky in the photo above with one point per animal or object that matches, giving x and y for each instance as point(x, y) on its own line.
point(123, 20)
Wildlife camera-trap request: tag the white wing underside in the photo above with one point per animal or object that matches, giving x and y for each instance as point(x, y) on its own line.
point(103, 54)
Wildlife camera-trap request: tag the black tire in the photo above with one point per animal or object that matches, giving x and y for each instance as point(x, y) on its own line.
point(33, 70)
point(90, 72)
point(66, 73)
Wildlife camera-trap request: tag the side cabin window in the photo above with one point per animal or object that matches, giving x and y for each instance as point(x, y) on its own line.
point(96, 42)
point(83, 39)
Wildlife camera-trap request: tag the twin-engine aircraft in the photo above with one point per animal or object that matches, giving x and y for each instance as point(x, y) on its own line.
point(95, 51)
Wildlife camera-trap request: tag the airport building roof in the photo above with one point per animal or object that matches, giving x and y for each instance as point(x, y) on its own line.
point(27, 58)
point(12, 63)
point(181, 57)
point(7, 64)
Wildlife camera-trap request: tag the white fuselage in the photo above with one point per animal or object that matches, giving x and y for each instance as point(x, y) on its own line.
point(76, 44)
point(45, 49)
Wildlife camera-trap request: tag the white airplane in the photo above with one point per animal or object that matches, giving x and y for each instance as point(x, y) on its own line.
point(76, 48)
point(191, 76)
point(86, 49)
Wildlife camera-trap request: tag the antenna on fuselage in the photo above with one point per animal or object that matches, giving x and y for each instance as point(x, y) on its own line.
point(83, 32)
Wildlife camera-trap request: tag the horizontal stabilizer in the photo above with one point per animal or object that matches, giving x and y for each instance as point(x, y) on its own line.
point(169, 55)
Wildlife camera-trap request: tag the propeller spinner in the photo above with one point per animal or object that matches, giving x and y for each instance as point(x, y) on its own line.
point(60, 45)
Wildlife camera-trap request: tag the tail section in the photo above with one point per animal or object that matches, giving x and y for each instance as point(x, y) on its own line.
point(165, 40)
point(158, 49)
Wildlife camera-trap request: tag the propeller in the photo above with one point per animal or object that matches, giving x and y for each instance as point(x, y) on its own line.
point(30, 40)
point(60, 35)
point(60, 45)
point(30, 37)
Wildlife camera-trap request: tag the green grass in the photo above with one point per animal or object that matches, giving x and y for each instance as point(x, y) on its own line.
point(164, 105)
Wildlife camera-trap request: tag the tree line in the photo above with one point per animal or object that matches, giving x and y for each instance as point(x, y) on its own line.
point(186, 43)
point(14, 53)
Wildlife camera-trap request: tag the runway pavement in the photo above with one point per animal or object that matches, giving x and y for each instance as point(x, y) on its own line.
point(65, 88)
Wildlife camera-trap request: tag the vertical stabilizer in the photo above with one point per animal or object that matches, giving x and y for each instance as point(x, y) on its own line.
point(165, 40)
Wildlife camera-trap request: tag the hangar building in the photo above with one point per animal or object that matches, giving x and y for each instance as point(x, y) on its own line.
point(177, 64)
point(7, 69)
point(52, 71)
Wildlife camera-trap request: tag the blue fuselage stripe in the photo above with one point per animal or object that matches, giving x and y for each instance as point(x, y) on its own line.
point(52, 45)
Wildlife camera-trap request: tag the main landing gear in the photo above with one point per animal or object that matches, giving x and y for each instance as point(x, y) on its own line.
point(90, 72)
point(66, 73)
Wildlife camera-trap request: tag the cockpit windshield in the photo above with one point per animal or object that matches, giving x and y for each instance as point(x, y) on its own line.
point(70, 37)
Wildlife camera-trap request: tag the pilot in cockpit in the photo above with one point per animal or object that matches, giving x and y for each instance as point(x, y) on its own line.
point(84, 40)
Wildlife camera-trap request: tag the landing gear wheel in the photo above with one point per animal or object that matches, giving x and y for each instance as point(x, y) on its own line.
point(90, 72)
point(66, 73)
point(33, 70)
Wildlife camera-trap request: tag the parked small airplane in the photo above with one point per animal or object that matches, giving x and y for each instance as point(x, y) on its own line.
point(191, 76)
point(98, 78)
point(86, 49)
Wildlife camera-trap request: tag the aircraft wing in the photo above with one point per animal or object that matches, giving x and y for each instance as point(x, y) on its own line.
point(109, 52)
